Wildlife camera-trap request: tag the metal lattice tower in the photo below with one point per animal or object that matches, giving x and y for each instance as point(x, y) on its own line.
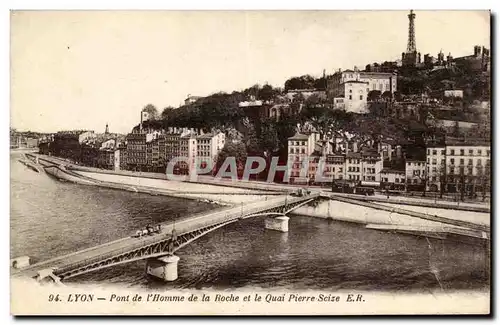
point(412, 44)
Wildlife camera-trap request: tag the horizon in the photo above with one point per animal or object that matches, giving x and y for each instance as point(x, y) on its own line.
point(107, 65)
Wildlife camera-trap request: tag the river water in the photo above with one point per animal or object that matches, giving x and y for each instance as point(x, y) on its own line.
point(50, 218)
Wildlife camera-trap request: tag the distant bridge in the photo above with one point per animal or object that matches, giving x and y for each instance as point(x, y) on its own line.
point(159, 248)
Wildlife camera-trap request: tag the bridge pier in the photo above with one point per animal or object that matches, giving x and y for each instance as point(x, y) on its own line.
point(277, 223)
point(20, 262)
point(47, 276)
point(164, 268)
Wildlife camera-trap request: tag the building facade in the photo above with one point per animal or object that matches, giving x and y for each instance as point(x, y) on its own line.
point(349, 89)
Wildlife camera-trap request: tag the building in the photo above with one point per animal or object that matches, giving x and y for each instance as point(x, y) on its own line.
point(459, 166)
point(416, 175)
point(68, 144)
point(349, 89)
point(188, 153)
point(256, 109)
point(392, 179)
point(468, 167)
point(372, 165)
point(106, 158)
point(436, 164)
point(153, 161)
point(454, 93)
point(335, 166)
point(208, 147)
point(121, 157)
point(300, 148)
point(191, 100)
point(136, 150)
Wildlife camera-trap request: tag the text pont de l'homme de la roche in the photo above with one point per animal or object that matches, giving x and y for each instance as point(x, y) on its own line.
point(210, 298)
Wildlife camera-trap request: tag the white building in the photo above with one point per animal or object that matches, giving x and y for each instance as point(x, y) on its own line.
point(208, 147)
point(393, 179)
point(300, 148)
point(436, 163)
point(353, 87)
point(459, 164)
point(188, 152)
point(416, 173)
point(467, 165)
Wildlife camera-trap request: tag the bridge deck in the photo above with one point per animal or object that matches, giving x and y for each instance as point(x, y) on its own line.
point(110, 249)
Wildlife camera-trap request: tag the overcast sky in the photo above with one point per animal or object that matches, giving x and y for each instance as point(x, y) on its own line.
point(81, 70)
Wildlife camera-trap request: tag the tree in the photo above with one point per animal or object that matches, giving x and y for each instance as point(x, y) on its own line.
point(387, 95)
point(230, 149)
point(373, 95)
point(152, 111)
point(267, 93)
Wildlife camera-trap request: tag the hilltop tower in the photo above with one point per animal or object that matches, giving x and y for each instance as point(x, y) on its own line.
point(107, 129)
point(411, 57)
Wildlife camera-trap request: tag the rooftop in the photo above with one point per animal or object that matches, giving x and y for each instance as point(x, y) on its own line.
point(299, 136)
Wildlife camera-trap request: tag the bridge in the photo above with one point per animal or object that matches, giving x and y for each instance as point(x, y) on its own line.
point(159, 248)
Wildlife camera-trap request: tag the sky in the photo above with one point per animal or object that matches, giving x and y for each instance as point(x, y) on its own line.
point(83, 69)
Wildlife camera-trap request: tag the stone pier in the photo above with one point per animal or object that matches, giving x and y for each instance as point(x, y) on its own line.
point(164, 268)
point(277, 223)
point(47, 276)
point(20, 262)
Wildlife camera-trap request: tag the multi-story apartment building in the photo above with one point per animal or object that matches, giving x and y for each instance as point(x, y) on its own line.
point(460, 166)
point(335, 167)
point(354, 168)
point(136, 150)
point(468, 167)
point(300, 148)
point(393, 179)
point(372, 165)
point(436, 167)
point(349, 89)
point(188, 153)
point(208, 147)
point(416, 174)
point(106, 158)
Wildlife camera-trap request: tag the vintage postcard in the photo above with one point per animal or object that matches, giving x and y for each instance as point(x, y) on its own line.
point(250, 162)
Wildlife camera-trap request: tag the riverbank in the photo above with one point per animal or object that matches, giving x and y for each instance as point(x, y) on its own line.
point(273, 187)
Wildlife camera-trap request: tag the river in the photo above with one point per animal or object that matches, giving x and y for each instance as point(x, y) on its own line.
point(50, 218)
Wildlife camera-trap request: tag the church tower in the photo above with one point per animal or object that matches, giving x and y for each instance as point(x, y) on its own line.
point(107, 129)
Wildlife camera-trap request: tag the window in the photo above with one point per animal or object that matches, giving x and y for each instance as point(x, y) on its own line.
point(442, 161)
point(443, 152)
point(452, 152)
point(434, 161)
point(471, 152)
point(360, 97)
point(479, 152)
point(367, 90)
point(350, 96)
point(452, 161)
point(428, 151)
point(462, 152)
point(461, 161)
point(470, 162)
point(434, 152)
point(350, 90)
point(434, 169)
point(303, 143)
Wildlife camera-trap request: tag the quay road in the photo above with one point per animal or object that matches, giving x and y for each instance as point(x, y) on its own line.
point(189, 224)
point(263, 186)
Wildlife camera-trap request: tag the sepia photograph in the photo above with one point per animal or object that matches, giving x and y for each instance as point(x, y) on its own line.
point(319, 162)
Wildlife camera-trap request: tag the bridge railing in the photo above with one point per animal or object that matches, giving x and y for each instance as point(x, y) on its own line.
point(185, 226)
